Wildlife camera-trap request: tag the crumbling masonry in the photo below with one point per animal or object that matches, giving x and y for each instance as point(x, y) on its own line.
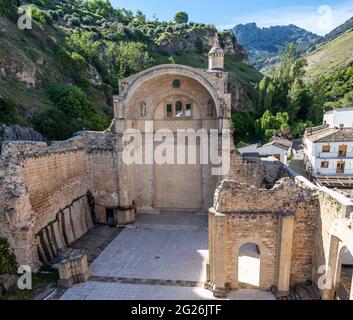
point(50, 195)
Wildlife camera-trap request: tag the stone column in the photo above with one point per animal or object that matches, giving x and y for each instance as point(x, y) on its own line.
point(219, 290)
point(351, 295)
point(285, 252)
point(125, 212)
point(331, 267)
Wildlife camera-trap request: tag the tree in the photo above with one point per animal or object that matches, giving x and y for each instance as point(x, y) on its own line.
point(101, 7)
point(140, 18)
point(181, 17)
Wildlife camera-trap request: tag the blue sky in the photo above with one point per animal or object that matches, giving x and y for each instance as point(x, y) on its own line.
point(319, 16)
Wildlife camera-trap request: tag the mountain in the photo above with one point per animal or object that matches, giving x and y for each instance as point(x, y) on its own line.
point(77, 51)
point(339, 30)
point(266, 46)
point(330, 57)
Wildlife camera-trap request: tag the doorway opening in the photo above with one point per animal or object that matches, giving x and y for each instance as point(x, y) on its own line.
point(110, 217)
point(249, 266)
point(345, 274)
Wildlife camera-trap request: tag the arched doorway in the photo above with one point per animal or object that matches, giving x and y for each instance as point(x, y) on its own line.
point(344, 275)
point(249, 266)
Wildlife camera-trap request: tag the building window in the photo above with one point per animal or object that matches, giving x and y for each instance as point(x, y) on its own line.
point(342, 151)
point(176, 84)
point(326, 148)
point(210, 109)
point(179, 109)
point(325, 164)
point(188, 111)
point(169, 111)
point(341, 167)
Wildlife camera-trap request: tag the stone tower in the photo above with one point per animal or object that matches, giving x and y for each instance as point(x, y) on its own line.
point(216, 58)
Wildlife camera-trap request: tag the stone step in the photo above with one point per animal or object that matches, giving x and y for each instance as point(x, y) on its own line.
point(169, 227)
point(152, 282)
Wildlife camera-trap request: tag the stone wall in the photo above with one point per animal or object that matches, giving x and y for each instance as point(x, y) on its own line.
point(253, 214)
point(254, 172)
point(244, 213)
point(39, 181)
point(69, 225)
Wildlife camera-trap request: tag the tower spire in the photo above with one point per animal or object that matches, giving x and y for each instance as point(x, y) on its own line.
point(216, 57)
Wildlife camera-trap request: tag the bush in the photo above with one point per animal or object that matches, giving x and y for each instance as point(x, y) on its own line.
point(7, 107)
point(72, 101)
point(54, 125)
point(37, 15)
point(7, 259)
point(181, 17)
point(74, 21)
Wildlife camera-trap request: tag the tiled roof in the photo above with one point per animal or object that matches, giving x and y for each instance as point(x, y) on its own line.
point(280, 143)
point(331, 135)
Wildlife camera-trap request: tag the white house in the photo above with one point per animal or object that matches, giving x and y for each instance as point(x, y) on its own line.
point(329, 148)
point(339, 118)
point(280, 149)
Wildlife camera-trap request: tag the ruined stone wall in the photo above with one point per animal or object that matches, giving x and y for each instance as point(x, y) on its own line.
point(69, 225)
point(104, 179)
point(253, 215)
point(41, 181)
point(254, 172)
point(333, 208)
point(322, 226)
point(259, 228)
point(53, 181)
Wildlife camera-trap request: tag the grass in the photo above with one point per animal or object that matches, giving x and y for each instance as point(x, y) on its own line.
point(40, 282)
point(331, 57)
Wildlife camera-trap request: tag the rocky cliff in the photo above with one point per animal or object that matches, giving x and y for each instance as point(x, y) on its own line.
point(266, 45)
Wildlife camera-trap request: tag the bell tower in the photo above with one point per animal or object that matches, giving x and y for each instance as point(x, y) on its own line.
point(216, 58)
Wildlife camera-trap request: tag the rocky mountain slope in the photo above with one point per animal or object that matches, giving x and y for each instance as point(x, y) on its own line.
point(77, 51)
point(343, 28)
point(267, 45)
point(330, 57)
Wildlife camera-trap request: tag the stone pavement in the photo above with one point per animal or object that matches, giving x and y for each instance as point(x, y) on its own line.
point(161, 257)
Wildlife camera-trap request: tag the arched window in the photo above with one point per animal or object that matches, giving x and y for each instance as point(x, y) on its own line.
point(188, 110)
point(176, 84)
point(210, 109)
point(179, 109)
point(169, 111)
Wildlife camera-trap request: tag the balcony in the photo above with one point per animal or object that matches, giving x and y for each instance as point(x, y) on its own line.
point(335, 155)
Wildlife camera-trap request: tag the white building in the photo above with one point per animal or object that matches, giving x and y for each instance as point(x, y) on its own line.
point(329, 148)
point(279, 149)
point(339, 118)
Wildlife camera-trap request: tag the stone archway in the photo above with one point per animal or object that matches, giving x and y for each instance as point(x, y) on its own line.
point(249, 266)
point(343, 280)
point(260, 270)
point(175, 187)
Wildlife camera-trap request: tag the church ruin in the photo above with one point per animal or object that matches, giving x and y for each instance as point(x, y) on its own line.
point(51, 195)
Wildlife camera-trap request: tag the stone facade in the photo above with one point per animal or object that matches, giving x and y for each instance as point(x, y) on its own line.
point(299, 229)
point(45, 188)
point(145, 97)
point(51, 195)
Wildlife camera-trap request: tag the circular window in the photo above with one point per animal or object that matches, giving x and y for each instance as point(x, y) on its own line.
point(176, 84)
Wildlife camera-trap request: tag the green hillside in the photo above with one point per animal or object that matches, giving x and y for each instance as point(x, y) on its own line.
point(60, 76)
point(331, 57)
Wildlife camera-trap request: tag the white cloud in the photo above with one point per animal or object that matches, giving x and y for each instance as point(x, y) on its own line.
point(320, 20)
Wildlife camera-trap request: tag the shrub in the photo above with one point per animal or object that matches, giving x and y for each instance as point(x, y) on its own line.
point(7, 107)
point(74, 21)
point(7, 7)
point(54, 125)
point(72, 101)
point(7, 258)
point(181, 17)
point(38, 15)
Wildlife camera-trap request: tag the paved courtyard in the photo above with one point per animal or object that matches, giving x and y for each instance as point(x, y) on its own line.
point(161, 257)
